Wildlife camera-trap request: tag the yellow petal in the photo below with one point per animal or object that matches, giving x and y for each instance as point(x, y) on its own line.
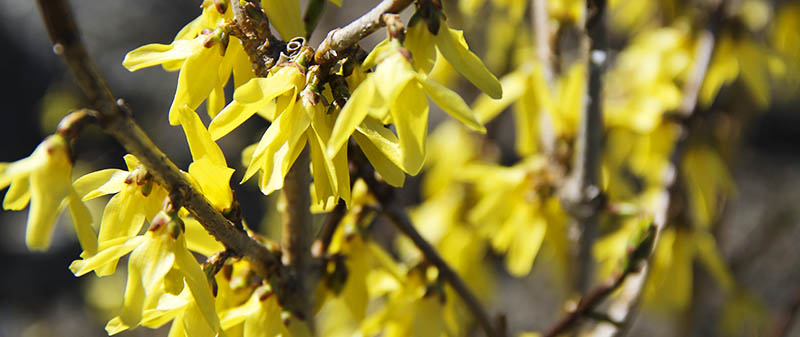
point(123, 215)
point(351, 116)
point(709, 254)
point(50, 184)
point(451, 103)
point(216, 100)
point(23, 167)
point(285, 16)
point(525, 246)
point(278, 148)
point(100, 183)
point(390, 172)
point(261, 89)
point(198, 285)
point(155, 54)
point(195, 81)
point(420, 42)
point(252, 96)
point(242, 70)
point(115, 250)
point(265, 321)
point(18, 194)
point(194, 323)
point(82, 221)
point(377, 54)
point(200, 142)
point(410, 115)
point(383, 139)
point(147, 266)
point(526, 116)
point(214, 180)
point(454, 48)
point(198, 239)
point(324, 187)
point(392, 75)
point(514, 85)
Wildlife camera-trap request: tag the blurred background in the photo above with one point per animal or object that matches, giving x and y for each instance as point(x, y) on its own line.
point(39, 296)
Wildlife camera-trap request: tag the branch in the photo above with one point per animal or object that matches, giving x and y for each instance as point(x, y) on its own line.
point(397, 215)
point(621, 308)
point(588, 303)
point(117, 121)
point(342, 38)
point(251, 26)
point(298, 231)
point(320, 246)
point(582, 194)
point(544, 54)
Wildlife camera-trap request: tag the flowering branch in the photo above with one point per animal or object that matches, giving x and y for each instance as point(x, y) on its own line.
point(621, 308)
point(116, 119)
point(587, 304)
point(342, 38)
point(397, 215)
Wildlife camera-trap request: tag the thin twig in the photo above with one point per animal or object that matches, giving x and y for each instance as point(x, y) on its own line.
point(397, 215)
point(320, 245)
point(589, 302)
point(544, 54)
point(582, 193)
point(342, 38)
point(117, 121)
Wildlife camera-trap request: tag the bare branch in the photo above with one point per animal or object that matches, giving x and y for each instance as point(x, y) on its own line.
point(582, 194)
point(320, 245)
point(342, 38)
point(251, 26)
point(298, 232)
point(588, 303)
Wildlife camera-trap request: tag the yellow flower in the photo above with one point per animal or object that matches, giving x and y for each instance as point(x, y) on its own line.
point(410, 309)
point(259, 316)
point(533, 99)
point(452, 45)
point(259, 94)
point(670, 281)
point(44, 180)
point(394, 93)
point(293, 124)
point(136, 199)
point(205, 64)
point(159, 264)
point(209, 169)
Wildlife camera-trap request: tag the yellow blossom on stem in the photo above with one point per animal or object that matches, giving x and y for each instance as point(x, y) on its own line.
point(159, 264)
point(394, 93)
point(44, 180)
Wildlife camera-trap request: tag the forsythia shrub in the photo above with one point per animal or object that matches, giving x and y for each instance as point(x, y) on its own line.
point(353, 108)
